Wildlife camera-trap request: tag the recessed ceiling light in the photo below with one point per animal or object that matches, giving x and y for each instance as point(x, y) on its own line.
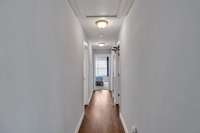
point(101, 24)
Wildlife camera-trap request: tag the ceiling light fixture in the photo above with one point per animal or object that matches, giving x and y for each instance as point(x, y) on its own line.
point(101, 44)
point(101, 24)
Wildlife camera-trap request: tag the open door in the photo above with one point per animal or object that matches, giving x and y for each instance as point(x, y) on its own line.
point(115, 77)
point(102, 71)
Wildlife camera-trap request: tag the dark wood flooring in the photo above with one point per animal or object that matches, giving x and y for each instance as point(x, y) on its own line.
point(101, 115)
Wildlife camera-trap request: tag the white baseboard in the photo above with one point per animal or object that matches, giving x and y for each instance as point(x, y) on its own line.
point(123, 123)
point(80, 122)
point(82, 115)
point(90, 97)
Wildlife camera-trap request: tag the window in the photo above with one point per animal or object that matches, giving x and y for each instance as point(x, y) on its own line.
point(101, 66)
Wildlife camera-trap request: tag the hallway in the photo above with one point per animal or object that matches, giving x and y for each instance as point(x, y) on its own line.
point(66, 64)
point(101, 115)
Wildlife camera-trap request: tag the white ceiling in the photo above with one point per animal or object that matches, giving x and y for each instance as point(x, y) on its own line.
point(89, 11)
point(98, 7)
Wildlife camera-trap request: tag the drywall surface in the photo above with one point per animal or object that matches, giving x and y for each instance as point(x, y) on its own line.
point(91, 79)
point(160, 66)
point(40, 67)
point(101, 51)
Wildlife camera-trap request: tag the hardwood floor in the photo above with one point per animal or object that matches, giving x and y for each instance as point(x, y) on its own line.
point(101, 115)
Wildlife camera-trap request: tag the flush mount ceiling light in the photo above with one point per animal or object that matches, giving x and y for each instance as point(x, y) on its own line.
point(101, 24)
point(101, 44)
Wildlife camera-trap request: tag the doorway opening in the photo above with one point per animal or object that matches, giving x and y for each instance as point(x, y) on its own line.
point(102, 71)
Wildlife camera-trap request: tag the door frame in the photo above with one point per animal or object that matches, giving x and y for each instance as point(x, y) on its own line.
point(85, 73)
point(102, 55)
point(115, 77)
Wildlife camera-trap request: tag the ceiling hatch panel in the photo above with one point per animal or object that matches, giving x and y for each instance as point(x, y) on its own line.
point(98, 7)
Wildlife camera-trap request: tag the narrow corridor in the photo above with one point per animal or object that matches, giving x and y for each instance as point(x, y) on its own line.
point(101, 115)
point(100, 66)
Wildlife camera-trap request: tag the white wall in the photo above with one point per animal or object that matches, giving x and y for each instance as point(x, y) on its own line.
point(160, 66)
point(101, 51)
point(86, 73)
point(91, 71)
point(40, 67)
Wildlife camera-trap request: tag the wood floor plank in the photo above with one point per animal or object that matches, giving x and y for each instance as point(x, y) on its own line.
point(101, 115)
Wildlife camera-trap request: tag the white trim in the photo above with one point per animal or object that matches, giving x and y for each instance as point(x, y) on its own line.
point(79, 123)
point(90, 97)
point(123, 122)
point(82, 115)
point(85, 73)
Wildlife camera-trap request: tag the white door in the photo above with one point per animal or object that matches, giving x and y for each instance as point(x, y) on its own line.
point(116, 77)
point(118, 91)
